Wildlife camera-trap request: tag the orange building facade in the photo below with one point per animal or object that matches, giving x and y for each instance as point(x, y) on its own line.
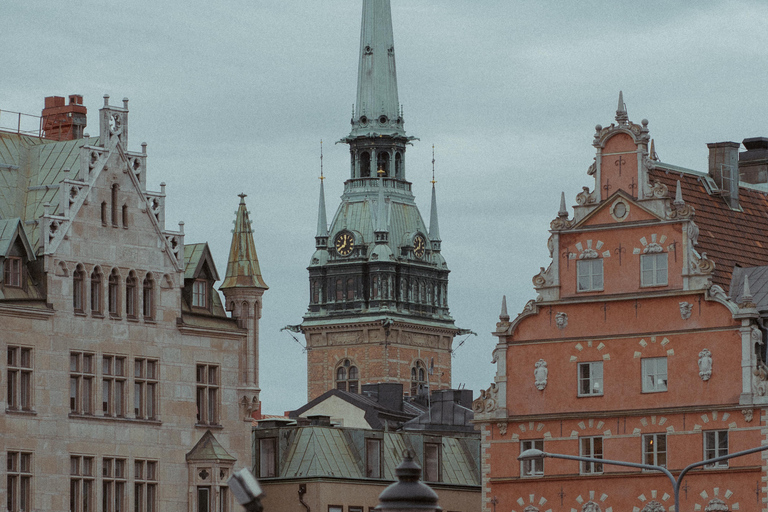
point(644, 344)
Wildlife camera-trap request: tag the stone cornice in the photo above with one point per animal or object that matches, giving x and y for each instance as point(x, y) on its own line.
point(26, 312)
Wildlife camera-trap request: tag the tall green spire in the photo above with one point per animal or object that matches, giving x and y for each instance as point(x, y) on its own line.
point(243, 264)
point(378, 107)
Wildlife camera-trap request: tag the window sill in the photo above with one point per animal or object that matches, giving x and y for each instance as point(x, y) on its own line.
point(80, 312)
point(589, 396)
point(150, 321)
point(133, 319)
point(21, 412)
point(654, 285)
point(115, 317)
point(117, 419)
point(651, 391)
point(96, 314)
point(206, 425)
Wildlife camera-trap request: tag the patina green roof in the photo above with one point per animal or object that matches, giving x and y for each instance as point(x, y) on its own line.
point(10, 230)
point(194, 257)
point(208, 448)
point(243, 264)
point(31, 169)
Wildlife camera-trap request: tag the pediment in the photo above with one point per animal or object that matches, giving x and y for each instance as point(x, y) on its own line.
point(619, 208)
point(12, 234)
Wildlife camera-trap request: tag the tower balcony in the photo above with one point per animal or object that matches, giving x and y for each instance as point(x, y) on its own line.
point(366, 186)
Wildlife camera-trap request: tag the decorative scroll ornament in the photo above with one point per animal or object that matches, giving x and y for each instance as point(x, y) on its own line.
point(652, 248)
point(589, 254)
point(702, 264)
point(760, 380)
point(561, 319)
point(591, 171)
point(586, 197)
point(657, 190)
point(681, 211)
point(685, 310)
point(530, 508)
point(560, 223)
point(543, 278)
point(540, 374)
point(705, 364)
point(716, 505)
point(488, 400)
point(653, 506)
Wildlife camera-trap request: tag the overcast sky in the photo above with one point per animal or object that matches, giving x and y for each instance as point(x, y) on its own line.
point(235, 96)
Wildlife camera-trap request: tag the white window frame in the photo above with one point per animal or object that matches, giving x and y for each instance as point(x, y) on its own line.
point(590, 275)
point(13, 272)
point(591, 447)
point(534, 467)
point(655, 449)
point(654, 269)
point(200, 293)
point(594, 377)
point(713, 447)
point(654, 374)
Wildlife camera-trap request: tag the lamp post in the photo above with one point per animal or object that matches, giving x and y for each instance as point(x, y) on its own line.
point(534, 454)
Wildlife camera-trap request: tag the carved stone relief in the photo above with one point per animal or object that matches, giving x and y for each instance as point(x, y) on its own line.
point(561, 319)
point(540, 374)
point(747, 414)
point(705, 364)
point(685, 310)
point(591, 506)
point(487, 401)
point(530, 508)
point(653, 506)
point(658, 190)
point(586, 197)
point(716, 505)
point(502, 428)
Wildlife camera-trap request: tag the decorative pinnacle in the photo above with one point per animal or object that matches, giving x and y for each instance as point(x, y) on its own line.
point(679, 195)
point(621, 110)
point(433, 166)
point(652, 152)
point(504, 316)
point(746, 295)
point(563, 210)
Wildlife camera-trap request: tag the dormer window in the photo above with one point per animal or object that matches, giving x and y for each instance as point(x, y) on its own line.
point(12, 272)
point(200, 293)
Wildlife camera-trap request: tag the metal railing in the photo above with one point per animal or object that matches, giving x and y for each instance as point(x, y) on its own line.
point(18, 122)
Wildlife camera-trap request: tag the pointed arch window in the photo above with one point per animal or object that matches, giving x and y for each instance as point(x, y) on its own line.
point(347, 377)
point(147, 298)
point(113, 293)
point(382, 164)
point(419, 384)
point(399, 166)
point(78, 289)
point(114, 205)
point(104, 213)
point(131, 295)
point(96, 281)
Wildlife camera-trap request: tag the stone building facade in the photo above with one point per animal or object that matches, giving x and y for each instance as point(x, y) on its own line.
point(646, 342)
point(125, 385)
point(378, 308)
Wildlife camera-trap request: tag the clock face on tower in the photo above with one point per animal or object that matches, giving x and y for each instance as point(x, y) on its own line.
point(344, 243)
point(419, 244)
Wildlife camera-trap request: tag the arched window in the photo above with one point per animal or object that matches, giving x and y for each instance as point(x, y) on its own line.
point(347, 377)
point(365, 164)
point(131, 292)
point(113, 293)
point(96, 292)
point(315, 292)
point(104, 213)
point(78, 289)
point(399, 166)
point(350, 289)
point(352, 161)
point(339, 290)
point(382, 164)
point(114, 205)
point(125, 216)
point(419, 384)
point(148, 299)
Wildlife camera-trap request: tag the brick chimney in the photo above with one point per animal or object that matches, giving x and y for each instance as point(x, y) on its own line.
point(724, 170)
point(64, 122)
point(753, 163)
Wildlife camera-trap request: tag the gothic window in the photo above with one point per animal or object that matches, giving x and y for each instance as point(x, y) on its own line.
point(268, 457)
point(96, 291)
point(419, 382)
point(591, 378)
point(12, 272)
point(533, 467)
point(147, 297)
point(399, 165)
point(655, 449)
point(365, 164)
point(373, 458)
point(78, 289)
point(207, 394)
point(145, 485)
point(347, 377)
point(81, 485)
point(352, 163)
point(113, 485)
point(716, 445)
point(350, 289)
point(113, 292)
point(114, 205)
point(382, 164)
point(145, 388)
point(315, 291)
point(113, 386)
point(654, 374)
point(131, 296)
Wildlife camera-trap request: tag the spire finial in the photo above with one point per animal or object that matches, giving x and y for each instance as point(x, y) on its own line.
point(563, 210)
point(242, 196)
point(434, 226)
point(321, 238)
point(746, 294)
point(433, 166)
point(321, 160)
point(504, 316)
point(652, 152)
point(621, 110)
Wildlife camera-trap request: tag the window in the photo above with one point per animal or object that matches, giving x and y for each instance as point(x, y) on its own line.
point(200, 293)
point(96, 292)
point(145, 485)
point(223, 499)
point(335, 508)
point(104, 213)
point(113, 485)
point(114, 205)
point(591, 447)
point(432, 462)
point(78, 289)
point(418, 379)
point(373, 458)
point(654, 374)
point(131, 296)
point(81, 383)
point(113, 386)
point(19, 379)
point(148, 299)
point(19, 481)
point(207, 394)
point(655, 449)
point(589, 275)
point(347, 377)
point(653, 269)
point(203, 499)
point(353, 508)
point(12, 272)
point(268, 457)
point(113, 289)
point(125, 216)
point(533, 467)
point(339, 290)
point(350, 289)
point(591, 378)
point(716, 445)
point(80, 484)
point(145, 388)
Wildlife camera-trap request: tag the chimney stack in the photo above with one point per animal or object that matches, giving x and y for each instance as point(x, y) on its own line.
point(64, 122)
point(753, 163)
point(724, 169)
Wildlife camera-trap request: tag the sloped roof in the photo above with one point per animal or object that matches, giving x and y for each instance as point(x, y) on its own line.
point(243, 269)
point(10, 229)
point(208, 448)
point(194, 257)
point(320, 451)
point(729, 237)
point(375, 414)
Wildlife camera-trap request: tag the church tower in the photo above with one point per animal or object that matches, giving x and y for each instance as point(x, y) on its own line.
point(378, 308)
